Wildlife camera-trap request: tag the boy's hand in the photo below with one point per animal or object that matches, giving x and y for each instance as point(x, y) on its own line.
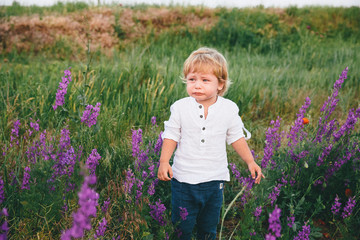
point(165, 172)
point(255, 171)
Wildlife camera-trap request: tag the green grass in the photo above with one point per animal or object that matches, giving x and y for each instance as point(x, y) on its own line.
point(62, 8)
point(143, 81)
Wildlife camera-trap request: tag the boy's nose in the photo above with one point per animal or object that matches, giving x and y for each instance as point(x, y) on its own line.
point(197, 84)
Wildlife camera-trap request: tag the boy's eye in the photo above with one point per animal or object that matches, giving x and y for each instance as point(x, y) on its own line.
point(191, 79)
point(206, 80)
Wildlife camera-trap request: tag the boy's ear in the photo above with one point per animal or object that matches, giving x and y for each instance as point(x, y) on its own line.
point(221, 85)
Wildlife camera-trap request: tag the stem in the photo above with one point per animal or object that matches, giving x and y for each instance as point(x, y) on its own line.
point(228, 208)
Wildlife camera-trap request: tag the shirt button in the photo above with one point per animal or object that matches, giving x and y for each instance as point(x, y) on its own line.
point(203, 128)
point(201, 116)
point(202, 140)
point(200, 106)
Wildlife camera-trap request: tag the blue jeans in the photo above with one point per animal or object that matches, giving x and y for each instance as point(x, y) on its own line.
point(203, 203)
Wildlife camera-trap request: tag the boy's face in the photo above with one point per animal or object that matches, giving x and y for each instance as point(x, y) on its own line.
point(203, 86)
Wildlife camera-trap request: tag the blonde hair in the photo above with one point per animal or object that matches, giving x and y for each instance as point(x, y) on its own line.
point(208, 60)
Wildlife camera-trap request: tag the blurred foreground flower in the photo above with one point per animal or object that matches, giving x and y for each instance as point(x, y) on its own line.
point(88, 200)
point(4, 228)
point(274, 224)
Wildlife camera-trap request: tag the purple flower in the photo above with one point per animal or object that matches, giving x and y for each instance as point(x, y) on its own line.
point(329, 107)
point(257, 213)
point(304, 233)
point(105, 207)
point(349, 207)
point(272, 142)
point(151, 169)
point(90, 114)
point(157, 212)
point(275, 193)
point(65, 158)
point(101, 229)
point(2, 195)
point(88, 200)
point(151, 189)
point(139, 185)
point(270, 237)
point(296, 134)
point(274, 222)
point(35, 125)
point(62, 90)
point(4, 228)
point(93, 161)
point(183, 213)
point(348, 125)
point(15, 133)
point(244, 181)
point(136, 142)
point(153, 121)
point(339, 162)
point(26, 178)
point(324, 154)
point(130, 180)
point(291, 221)
point(158, 144)
point(336, 206)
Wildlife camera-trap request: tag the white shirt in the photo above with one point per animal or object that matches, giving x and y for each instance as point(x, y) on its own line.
point(201, 150)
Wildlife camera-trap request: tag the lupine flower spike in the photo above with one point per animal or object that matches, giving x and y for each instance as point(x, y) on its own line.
point(62, 90)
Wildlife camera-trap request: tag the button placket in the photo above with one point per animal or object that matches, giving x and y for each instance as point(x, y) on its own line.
point(202, 125)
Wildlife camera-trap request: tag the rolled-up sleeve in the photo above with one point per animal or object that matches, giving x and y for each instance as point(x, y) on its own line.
point(172, 126)
point(236, 128)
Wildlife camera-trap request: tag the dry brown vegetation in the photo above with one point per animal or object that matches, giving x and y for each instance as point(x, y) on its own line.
point(105, 27)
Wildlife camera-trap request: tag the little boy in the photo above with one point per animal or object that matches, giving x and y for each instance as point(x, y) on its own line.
point(199, 127)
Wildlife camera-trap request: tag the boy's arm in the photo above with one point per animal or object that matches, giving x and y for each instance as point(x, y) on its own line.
point(165, 172)
point(244, 152)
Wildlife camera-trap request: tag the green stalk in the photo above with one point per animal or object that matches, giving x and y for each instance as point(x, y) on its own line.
point(228, 208)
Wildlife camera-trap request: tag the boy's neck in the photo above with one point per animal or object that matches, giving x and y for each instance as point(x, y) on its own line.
point(207, 103)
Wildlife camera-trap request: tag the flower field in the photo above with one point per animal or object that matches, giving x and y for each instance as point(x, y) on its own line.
point(84, 91)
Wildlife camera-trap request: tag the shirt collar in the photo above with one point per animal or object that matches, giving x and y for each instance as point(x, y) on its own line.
point(218, 102)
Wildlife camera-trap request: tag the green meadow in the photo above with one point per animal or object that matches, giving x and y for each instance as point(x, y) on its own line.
point(130, 60)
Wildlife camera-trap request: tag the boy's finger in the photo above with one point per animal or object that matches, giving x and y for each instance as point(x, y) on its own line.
point(171, 173)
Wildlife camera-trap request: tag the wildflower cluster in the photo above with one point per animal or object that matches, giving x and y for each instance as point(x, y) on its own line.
point(14, 137)
point(46, 174)
point(348, 208)
point(88, 200)
point(141, 183)
point(2, 197)
point(157, 212)
point(304, 234)
point(91, 114)
point(312, 161)
point(4, 228)
point(26, 183)
point(62, 90)
point(93, 161)
point(274, 224)
point(243, 181)
point(272, 142)
point(101, 229)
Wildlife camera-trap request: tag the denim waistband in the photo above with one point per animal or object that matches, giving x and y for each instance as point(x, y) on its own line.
point(215, 184)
